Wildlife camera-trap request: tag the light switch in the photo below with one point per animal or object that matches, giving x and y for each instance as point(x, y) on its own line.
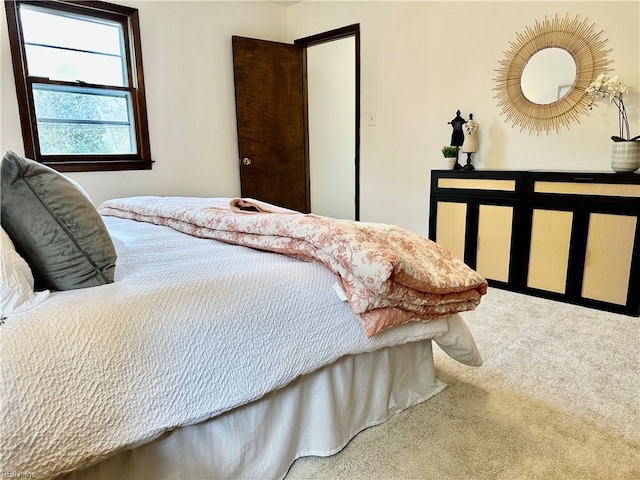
point(371, 119)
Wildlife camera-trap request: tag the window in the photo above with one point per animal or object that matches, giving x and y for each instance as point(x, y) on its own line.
point(79, 82)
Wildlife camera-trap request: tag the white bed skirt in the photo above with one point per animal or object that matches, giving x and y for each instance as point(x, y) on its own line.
point(315, 415)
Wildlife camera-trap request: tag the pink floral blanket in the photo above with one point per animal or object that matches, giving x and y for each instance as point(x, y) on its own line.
point(390, 276)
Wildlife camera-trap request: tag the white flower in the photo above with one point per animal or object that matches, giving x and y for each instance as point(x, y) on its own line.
point(611, 87)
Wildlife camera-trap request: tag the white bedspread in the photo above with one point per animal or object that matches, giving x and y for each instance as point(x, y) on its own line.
point(190, 328)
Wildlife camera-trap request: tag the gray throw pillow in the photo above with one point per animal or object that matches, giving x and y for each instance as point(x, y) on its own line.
point(54, 226)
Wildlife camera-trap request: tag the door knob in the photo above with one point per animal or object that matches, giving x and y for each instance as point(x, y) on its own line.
point(246, 161)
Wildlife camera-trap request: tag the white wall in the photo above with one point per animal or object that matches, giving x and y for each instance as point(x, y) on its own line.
point(186, 50)
point(331, 71)
point(421, 61)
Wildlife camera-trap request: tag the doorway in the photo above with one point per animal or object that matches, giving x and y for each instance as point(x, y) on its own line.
point(331, 71)
point(277, 123)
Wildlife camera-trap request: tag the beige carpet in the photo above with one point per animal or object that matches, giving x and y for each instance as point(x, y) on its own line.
point(558, 397)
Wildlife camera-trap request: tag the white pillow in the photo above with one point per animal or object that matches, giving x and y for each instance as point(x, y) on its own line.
point(16, 280)
point(459, 343)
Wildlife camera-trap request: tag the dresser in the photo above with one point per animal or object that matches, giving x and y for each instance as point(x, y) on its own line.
point(567, 236)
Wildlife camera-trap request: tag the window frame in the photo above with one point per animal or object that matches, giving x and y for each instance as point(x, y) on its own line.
point(128, 18)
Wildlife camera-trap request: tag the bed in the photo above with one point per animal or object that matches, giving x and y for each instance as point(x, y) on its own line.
point(202, 359)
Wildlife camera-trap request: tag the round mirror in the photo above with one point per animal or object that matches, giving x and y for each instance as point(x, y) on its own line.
point(542, 79)
point(548, 75)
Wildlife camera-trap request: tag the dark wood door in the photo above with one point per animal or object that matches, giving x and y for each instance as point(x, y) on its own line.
point(270, 116)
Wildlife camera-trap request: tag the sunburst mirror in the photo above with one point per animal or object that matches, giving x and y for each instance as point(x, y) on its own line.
point(543, 76)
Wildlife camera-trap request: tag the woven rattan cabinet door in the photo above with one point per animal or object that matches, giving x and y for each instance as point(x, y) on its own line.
point(607, 267)
point(494, 241)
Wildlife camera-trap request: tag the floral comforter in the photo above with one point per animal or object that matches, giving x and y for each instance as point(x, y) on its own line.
point(389, 276)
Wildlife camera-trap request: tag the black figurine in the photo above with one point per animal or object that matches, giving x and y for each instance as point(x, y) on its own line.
point(457, 136)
